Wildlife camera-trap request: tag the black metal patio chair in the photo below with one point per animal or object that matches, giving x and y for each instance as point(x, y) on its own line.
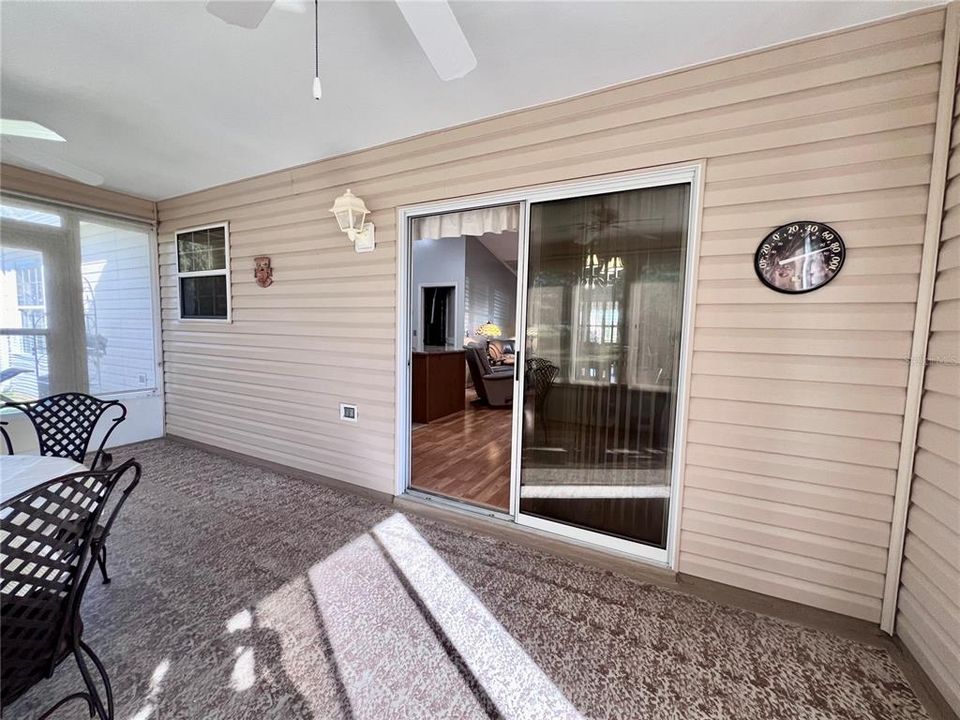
point(541, 374)
point(64, 425)
point(47, 549)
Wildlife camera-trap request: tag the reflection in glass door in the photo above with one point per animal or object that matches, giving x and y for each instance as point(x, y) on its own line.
point(605, 289)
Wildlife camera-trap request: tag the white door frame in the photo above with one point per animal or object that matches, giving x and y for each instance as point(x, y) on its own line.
point(686, 173)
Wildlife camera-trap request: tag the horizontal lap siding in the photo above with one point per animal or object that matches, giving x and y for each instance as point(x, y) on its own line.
point(796, 403)
point(928, 620)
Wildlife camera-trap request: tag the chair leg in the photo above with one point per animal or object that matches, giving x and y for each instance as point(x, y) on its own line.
point(102, 562)
point(103, 675)
point(105, 713)
point(69, 698)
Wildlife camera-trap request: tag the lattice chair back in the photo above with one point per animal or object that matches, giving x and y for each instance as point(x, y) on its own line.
point(47, 551)
point(65, 423)
point(542, 373)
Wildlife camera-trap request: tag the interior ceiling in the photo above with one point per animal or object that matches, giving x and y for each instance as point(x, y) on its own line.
point(503, 246)
point(162, 98)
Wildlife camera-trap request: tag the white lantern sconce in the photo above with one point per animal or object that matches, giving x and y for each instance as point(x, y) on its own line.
point(350, 212)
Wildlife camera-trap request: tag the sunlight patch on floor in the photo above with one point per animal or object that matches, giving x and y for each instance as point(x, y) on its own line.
point(243, 620)
point(387, 656)
point(291, 614)
point(514, 682)
point(244, 675)
point(385, 623)
point(153, 694)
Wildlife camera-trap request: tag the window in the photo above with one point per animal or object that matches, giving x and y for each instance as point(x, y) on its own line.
point(203, 262)
point(77, 302)
point(23, 352)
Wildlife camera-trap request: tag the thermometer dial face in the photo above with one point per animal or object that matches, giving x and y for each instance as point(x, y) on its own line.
point(799, 257)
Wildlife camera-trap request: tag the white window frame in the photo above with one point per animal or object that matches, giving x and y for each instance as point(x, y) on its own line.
point(205, 273)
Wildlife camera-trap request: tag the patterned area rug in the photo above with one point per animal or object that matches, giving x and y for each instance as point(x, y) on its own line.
point(240, 593)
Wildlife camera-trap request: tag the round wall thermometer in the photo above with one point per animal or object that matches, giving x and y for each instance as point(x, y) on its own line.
point(799, 257)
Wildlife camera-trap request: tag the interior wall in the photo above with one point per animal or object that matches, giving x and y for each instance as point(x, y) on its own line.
point(796, 402)
point(928, 619)
point(490, 292)
point(438, 262)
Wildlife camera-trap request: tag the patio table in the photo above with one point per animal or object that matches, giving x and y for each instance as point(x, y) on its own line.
point(22, 472)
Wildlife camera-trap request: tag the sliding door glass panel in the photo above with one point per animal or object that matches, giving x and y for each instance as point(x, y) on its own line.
point(604, 306)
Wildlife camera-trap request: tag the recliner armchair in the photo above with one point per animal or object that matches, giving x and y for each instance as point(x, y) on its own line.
point(494, 388)
point(498, 350)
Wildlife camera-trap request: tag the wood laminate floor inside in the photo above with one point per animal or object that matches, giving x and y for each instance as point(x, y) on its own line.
point(466, 456)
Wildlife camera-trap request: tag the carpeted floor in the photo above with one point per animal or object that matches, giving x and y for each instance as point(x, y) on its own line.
point(240, 593)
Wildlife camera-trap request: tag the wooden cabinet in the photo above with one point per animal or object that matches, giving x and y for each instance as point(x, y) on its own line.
point(439, 382)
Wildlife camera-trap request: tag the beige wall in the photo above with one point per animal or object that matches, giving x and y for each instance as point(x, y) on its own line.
point(929, 603)
point(796, 402)
point(20, 180)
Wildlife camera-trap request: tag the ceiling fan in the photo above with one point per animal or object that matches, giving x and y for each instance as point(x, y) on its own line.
point(18, 143)
point(432, 23)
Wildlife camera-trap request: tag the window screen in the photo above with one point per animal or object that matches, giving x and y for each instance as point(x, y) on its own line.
point(78, 300)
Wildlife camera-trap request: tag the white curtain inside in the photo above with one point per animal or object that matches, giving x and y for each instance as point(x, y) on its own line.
point(469, 222)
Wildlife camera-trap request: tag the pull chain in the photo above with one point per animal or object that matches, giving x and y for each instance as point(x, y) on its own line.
point(317, 90)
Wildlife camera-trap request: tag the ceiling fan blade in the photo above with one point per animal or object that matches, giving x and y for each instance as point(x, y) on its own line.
point(28, 129)
point(55, 165)
point(242, 13)
point(441, 37)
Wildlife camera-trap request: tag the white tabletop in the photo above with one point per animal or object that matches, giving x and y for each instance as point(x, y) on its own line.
point(22, 472)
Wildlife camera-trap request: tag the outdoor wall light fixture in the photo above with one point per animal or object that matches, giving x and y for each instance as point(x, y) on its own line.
point(350, 212)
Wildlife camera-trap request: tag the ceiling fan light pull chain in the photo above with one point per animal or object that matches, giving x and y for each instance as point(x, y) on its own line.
point(317, 90)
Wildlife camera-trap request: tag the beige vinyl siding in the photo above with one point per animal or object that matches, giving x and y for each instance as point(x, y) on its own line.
point(928, 620)
point(27, 182)
point(796, 402)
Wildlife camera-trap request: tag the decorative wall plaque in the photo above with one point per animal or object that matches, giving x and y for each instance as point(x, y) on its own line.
point(262, 271)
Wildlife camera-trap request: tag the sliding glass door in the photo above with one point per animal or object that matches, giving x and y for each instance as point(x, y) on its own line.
point(605, 283)
point(595, 403)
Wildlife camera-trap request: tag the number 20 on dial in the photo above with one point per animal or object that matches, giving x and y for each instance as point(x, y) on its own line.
point(799, 257)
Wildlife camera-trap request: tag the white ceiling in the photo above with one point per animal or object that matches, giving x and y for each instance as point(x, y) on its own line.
point(162, 98)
